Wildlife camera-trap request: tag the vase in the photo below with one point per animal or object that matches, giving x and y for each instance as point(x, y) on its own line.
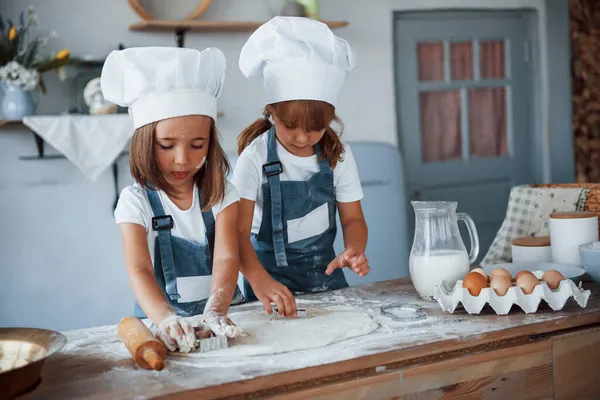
point(17, 102)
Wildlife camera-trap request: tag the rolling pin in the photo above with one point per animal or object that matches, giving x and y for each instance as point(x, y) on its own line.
point(145, 349)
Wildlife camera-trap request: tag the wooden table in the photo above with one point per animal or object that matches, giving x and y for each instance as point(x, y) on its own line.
point(537, 356)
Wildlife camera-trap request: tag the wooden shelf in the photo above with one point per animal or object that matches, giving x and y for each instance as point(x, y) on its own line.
point(209, 26)
point(4, 122)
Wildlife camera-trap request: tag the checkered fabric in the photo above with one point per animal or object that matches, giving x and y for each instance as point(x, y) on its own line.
point(527, 215)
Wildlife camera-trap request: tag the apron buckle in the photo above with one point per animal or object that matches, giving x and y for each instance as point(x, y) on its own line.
point(162, 223)
point(273, 168)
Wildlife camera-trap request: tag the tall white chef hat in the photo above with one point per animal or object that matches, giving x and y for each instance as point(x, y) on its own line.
point(298, 59)
point(157, 83)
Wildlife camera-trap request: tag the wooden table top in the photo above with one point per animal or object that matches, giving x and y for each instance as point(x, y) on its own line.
point(95, 364)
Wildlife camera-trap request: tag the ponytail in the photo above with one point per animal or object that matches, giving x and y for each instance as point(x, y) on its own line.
point(253, 131)
point(332, 145)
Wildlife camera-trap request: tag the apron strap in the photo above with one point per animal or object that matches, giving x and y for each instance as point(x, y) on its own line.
point(323, 162)
point(163, 225)
point(324, 167)
point(209, 225)
point(272, 169)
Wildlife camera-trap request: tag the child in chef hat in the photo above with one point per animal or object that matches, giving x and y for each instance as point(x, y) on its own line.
point(293, 171)
point(178, 220)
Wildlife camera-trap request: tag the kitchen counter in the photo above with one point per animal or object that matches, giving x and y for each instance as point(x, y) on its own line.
point(543, 355)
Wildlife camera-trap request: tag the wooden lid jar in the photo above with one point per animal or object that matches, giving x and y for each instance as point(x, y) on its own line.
point(531, 249)
point(567, 231)
point(572, 215)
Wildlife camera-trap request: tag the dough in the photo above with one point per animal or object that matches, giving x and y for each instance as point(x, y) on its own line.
point(323, 327)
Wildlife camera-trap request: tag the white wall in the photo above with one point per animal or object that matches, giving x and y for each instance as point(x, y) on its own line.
point(93, 27)
point(52, 219)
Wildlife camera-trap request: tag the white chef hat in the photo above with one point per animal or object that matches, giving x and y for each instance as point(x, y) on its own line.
point(157, 83)
point(298, 59)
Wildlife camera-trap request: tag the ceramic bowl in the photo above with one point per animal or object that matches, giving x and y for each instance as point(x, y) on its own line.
point(23, 352)
point(590, 259)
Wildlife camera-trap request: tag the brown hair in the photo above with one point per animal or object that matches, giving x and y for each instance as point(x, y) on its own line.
point(310, 115)
point(210, 178)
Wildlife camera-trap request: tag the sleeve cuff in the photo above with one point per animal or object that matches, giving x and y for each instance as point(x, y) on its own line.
point(349, 197)
point(130, 220)
point(247, 194)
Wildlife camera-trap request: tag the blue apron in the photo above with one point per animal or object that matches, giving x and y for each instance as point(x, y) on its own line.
point(175, 257)
point(299, 265)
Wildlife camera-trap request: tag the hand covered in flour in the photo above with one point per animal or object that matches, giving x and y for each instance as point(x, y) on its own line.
point(357, 262)
point(177, 333)
point(215, 318)
point(221, 325)
point(268, 291)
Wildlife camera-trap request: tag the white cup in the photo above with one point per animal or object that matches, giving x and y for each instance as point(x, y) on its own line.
point(567, 231)
point(531, 249)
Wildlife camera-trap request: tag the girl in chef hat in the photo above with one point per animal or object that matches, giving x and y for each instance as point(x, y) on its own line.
point(178, 220)
point(293, 171)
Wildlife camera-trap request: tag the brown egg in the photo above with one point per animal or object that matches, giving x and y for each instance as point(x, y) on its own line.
point(482, 272)
point(523, 272)
point(527, 282)
point(501, 284)
point(474, 282)
point(500, 272)
point(553, 278)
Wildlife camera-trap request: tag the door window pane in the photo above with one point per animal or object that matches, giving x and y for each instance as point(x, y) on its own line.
point(461, 54)
point(491, 59)
point(487, 122)
point(440, 126)
point(431, 61)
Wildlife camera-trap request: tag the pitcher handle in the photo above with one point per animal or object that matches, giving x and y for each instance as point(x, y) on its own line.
point(473, 236)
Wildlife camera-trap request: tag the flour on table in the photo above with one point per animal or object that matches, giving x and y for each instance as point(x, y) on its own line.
point(324, 326)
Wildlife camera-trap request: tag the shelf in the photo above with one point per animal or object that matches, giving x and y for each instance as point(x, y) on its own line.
point(209, 26)
point(4, 122)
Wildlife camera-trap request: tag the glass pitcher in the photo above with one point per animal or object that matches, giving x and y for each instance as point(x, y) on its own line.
point(438, 252)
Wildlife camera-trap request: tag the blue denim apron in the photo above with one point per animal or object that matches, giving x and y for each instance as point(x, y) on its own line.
point(299, 265)
point(175, 257)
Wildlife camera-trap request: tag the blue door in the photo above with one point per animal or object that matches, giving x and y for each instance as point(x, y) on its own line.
point(464, 105)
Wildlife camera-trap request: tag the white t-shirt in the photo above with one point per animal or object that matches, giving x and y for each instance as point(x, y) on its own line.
point(248, 178)
point(134, 207)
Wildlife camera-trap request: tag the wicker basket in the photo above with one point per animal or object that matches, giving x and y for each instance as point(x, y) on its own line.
point(592, 202)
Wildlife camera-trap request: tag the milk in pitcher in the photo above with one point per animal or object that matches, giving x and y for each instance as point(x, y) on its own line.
point(438, 252)
point(429, 270)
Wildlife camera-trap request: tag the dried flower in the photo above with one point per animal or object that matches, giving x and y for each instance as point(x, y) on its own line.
point(61, 55)
point(22, 58)
point(15, 74)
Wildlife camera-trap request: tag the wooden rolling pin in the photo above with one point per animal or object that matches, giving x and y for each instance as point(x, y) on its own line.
point(145, 349)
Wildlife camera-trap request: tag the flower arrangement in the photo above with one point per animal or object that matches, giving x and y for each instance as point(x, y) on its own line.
point(22, 57)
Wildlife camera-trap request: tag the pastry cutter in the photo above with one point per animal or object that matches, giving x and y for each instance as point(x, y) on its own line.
point(300, 313)
point(211, 343)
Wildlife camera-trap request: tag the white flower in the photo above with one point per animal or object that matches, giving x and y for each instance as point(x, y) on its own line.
point(32, 16)
point(15, 74)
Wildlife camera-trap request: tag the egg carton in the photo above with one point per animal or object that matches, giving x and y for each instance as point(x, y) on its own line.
point(448, 297)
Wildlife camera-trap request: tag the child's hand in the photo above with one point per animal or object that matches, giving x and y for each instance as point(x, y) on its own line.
point(357, 262)
point(221, 325)
point(177, 333)
point(268, 291)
